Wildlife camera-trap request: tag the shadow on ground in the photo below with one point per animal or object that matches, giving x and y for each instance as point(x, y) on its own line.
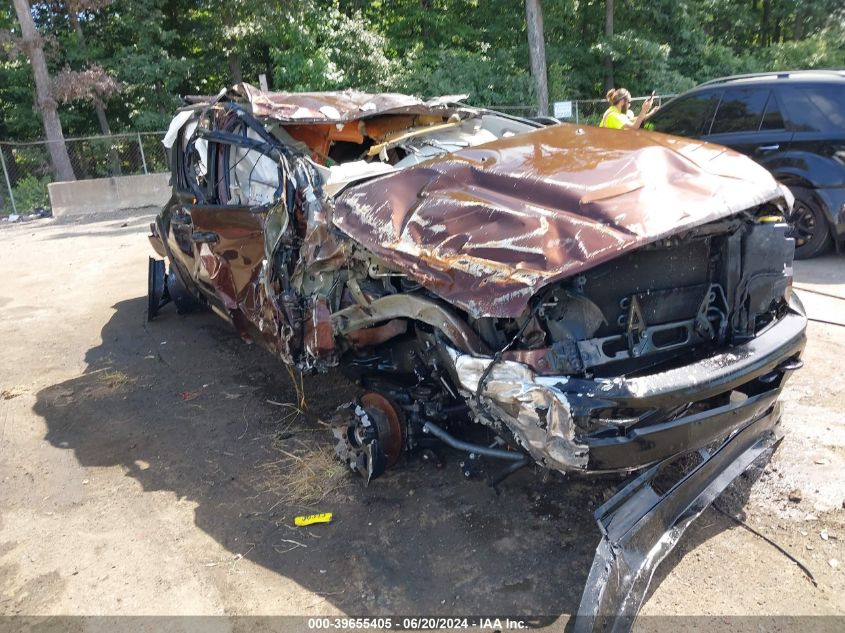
point(181, 405)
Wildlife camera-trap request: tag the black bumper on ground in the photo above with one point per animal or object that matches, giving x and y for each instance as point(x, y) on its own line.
point(640, 527)
point(640, 524)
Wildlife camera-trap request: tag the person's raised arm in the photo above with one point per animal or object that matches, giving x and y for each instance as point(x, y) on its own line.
point(644, 112)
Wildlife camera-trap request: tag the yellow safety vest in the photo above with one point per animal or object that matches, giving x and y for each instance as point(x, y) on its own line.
point(614, 118)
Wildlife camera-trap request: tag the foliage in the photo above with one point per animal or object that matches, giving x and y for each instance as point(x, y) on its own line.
point(319, 47)
point(489, 77)
point(31, 193)
point(155, 51)
point(90, 84)
point(823, 50)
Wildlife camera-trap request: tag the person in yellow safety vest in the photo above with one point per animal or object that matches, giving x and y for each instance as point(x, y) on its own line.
point(619, 116)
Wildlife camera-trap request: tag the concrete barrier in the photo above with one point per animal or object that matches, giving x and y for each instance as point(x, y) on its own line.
point(107, 194)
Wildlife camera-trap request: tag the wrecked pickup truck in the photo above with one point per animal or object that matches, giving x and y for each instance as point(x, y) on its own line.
point(582, 299)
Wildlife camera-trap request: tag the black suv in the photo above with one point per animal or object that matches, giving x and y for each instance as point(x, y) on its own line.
point(792, 123)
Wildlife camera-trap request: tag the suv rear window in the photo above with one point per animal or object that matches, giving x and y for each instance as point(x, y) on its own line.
point(741, 110)
point(814, 108)
point(687, 116)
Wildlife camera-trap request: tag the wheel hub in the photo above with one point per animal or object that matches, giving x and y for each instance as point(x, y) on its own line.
point(371, 439)
point(802, 224)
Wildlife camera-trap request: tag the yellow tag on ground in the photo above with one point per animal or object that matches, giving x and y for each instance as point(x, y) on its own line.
point(310, 519)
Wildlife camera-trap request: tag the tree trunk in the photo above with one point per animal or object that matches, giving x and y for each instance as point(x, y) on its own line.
point(765, 38)
point(267, 62)
point(114, 159)
point(235, 68)
point(74, 22)
point(537, 54)
point(798, 30)
point(233, 57)
point(62, 168)
point(608, 33)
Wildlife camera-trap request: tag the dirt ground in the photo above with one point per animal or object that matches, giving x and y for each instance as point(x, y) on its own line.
point(145, 470)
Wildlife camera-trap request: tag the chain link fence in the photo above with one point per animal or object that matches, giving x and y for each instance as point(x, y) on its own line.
point(590, 111)
point(27, 171)
point(583, 111)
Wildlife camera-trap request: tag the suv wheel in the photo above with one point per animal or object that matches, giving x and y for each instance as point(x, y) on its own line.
point(808, 226)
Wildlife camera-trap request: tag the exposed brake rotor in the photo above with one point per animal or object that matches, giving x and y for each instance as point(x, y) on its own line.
point(370, 439)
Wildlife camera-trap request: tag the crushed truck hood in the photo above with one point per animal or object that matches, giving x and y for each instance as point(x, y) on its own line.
point(486, 227)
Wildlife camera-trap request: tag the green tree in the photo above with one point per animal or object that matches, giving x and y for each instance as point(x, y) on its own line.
point(142, 49)
point(316, 46)
point(156, 51)
point(31, 44)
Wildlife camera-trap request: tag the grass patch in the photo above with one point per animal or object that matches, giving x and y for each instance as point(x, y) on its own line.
point(312, 477)
point(13, 392)
point(115, 379)
point(307, 471)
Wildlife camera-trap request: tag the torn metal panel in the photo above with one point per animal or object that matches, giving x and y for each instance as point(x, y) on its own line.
point(532, 407)
point(369, 337)
point(683, 433)
point(319, 339)
point(354, 318)
point(486, 227)
point(231, 249)
point(640, 527)
point(328, 107)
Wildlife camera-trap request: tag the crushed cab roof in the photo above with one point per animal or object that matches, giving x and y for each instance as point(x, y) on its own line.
point(330, 107)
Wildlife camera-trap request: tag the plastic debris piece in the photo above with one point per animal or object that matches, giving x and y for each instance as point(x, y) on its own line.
point(311, 519)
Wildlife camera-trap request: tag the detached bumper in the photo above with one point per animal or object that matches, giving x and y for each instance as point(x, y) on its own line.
point(551, 416)
point(658, 441)
point(640, 527)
